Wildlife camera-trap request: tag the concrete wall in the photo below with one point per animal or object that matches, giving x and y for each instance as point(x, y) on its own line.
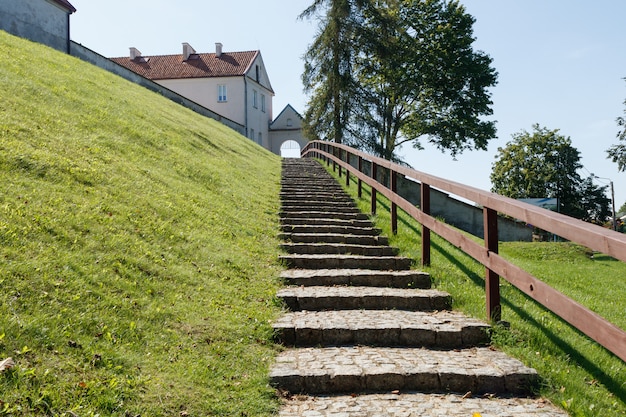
point(457, 213)
point(94, 58)
point(38, 20)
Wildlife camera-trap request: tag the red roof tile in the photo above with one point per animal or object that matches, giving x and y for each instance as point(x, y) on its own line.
point(65, 4)
point(167, 67)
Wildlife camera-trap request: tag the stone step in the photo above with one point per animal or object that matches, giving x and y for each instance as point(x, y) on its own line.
point(330, 221)
point(338, 249)
point(324, 229)
point(342, 297)
point(317, 205)
point(414, 404)
point(297, 193)
point(301, 214)
point(356, 369)
point(440, 330)
point(333, 238)
point(346, 262)
point(357, 277)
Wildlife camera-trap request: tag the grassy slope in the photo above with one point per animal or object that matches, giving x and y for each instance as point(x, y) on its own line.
point(576, 373)
point(138, 252)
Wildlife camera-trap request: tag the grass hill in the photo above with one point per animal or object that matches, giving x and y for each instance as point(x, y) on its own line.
point(138, 251)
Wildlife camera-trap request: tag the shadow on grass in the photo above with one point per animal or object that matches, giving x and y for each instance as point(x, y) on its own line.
point(612, 384)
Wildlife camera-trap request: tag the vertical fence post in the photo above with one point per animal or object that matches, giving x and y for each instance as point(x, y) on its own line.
point(359, 182)
point(340, 156)
point(393, 179)
point(326, 146)
point(375, 177)
point(347, 170)
point(492, 280)
point(425, 207)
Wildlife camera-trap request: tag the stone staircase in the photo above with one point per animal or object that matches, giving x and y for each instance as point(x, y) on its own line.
point(365, 334)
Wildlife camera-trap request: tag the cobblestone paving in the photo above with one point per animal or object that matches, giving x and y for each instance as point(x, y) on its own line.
point(416, 405)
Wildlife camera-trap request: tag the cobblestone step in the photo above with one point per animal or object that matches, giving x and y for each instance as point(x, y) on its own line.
point(321, 298)
point(357, 369)
point(321, 204)
point(338, 249)
point(346, 262)
point(333, 238)
point(441, 330)
point(328, 221)
point(323, 229)
point(353, 214)
point(415, 404)
point(357, 277)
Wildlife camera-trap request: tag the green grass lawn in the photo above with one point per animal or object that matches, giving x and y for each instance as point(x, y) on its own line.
point(576, 373)
point(138, 249)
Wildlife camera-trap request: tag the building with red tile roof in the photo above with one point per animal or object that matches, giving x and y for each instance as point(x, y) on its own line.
point(232, 84)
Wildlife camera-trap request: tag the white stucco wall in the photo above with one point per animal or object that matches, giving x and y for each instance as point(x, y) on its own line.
point(38, 20)
point(204, 92)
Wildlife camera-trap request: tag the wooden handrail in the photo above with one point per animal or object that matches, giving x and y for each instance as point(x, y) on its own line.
point(594, 237)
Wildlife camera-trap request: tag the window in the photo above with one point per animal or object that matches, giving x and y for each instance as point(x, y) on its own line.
point(289, 122)
point(263, 103)
point(257, 74)
point(221, 93)
point(252, 134)
point(260, 138)
point(255, 99)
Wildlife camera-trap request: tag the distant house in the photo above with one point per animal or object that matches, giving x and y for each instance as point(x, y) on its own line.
point(234, 85)
point(43, 21)
point(286, 133)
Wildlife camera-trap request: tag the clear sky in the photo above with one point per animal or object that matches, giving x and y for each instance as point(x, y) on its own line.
point(561, 63)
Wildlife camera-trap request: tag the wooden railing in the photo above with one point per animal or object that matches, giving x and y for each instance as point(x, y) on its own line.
point(611, 243)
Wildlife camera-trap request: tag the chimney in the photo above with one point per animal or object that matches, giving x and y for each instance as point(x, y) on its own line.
point(134, 53)
point(187, 51)
point(218, 49)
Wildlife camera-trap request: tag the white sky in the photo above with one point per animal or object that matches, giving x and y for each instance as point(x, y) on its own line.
point(561, 63)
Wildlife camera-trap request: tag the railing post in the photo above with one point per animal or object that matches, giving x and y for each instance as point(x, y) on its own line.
point(492, 280)
point(374, 176)
point(359, 182)
point(340, 156)
point(347, 170)
point(425, 207)
point(393, 179)
point(326, 146)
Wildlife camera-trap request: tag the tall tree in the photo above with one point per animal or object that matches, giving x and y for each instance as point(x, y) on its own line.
point(544, 164)
point(418, 75)
point(328, 64)
point(617, 153)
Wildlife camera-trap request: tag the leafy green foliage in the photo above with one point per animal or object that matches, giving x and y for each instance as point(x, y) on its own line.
point(138, 249)
point(420, 77)
point(576, 373)
point(383, 73)
point(544, 164)
point(617, 153)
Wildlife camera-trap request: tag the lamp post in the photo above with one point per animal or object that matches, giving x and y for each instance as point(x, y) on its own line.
point(612, 199)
